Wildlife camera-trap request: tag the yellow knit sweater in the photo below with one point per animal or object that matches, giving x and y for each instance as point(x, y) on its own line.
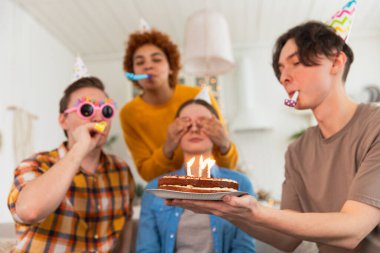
point(145, 128)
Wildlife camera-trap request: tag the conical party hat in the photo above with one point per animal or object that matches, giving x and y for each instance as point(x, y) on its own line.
point(343, 19)
point(203, 94)
point(80, 69)
point(144, 26)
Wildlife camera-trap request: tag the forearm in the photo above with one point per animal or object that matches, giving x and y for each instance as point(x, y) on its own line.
point(276, 239)
point(153, 165)
point(341, 229)
point(41, 196)
point(285, 230)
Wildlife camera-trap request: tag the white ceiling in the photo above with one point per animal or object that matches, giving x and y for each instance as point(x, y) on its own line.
point(99, 28)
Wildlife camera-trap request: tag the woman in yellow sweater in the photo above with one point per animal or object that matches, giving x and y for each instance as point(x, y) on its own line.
point(148, 121)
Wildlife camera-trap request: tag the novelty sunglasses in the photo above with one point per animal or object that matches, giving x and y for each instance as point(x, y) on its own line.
point(86, 108)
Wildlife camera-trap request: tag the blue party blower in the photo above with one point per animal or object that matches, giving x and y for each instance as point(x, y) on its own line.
point(134, 77)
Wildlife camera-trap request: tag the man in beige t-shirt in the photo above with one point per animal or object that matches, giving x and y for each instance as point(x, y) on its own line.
point(331, 192)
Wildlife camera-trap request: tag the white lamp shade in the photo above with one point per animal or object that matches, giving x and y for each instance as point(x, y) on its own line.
point(207, 44)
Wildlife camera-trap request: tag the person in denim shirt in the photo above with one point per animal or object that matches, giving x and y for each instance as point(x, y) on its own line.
point(166, 229)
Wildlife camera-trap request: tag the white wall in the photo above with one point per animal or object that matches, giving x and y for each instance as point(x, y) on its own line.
point(34, 68)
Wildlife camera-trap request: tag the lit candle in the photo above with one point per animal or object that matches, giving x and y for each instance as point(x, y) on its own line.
point(205, 165)
point(188, 166)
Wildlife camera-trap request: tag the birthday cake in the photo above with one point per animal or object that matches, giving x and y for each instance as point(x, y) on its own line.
point(198, 179)
point(197, 184)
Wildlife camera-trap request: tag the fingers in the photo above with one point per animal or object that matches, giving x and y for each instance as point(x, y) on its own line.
point(210, 126)
point(179, 126)
point(183, 124)
point(231, 208)
point(215, 130)
point(245, 201)
point(174, 134)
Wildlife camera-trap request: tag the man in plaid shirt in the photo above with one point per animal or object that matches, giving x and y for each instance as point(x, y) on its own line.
point(75, 198)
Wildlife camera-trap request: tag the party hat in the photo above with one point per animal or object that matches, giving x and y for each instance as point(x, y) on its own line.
point(343, 19)
point(203, 94)
point(144, 26)
point(80, 69)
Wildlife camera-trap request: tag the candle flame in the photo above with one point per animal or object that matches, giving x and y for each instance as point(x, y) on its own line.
point(210, 163)
point(204, 167)
point(202, 164)
point(188, 166)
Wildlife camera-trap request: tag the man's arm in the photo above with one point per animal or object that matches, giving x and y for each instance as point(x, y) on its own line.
point(345, 229)
point(286, 229)
point(276, 239)
point(42, 195)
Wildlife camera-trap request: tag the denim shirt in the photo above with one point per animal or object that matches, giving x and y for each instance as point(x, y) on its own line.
point(158, 222)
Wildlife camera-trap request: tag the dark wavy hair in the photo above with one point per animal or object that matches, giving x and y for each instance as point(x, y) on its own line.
point(313, 39)
point(160, 40)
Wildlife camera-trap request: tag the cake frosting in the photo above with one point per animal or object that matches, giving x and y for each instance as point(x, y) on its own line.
point(197, 184)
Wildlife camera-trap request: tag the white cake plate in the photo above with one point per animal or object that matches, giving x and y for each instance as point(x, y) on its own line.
point(170, 194)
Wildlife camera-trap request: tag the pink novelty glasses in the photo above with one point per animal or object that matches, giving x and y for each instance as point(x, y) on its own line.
point(86, 108)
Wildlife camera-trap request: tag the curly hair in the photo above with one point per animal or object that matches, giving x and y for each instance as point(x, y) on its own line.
point(160, 40)
point(313, 38)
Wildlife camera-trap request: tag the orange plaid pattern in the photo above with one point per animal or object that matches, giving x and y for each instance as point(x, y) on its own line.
point(92, 214)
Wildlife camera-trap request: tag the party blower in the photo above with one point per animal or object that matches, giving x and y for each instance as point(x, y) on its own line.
point(291, 102)
point(134, 77)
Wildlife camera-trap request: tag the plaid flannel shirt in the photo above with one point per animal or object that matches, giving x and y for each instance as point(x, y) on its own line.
point(91, 216)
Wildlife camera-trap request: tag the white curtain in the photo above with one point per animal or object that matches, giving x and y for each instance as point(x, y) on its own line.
point(22, 134)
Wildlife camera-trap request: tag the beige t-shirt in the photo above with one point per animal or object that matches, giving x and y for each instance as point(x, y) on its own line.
point(194, 233)
point(321, 174)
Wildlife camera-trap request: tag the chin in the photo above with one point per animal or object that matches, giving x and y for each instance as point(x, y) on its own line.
point(197, 151)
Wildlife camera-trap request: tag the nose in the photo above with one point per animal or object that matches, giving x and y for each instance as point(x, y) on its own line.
point(98, 117)
point(194, 127)
point(148, 65)
point(285, 77)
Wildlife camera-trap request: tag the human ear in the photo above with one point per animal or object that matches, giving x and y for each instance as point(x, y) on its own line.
point(338, 63)
point(62, 121)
